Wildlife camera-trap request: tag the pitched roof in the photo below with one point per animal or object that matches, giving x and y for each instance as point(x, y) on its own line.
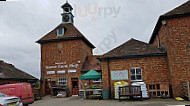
point(67, 5)
point(71, 33)
point(9, 71)
point(92, 63)
point(180, 11)
point(133, 48)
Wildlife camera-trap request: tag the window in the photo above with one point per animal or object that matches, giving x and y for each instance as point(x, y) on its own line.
point(66, 9)
point(97, 80)
point(53, 83)
point(158, 90)
point(62, 81)
point(188, 45)
point(60, 31)
point(136, 74)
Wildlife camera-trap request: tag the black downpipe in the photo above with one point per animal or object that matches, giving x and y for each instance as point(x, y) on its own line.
point(108, 63)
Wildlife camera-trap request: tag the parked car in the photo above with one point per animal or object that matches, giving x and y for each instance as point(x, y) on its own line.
point(9, 100)
point(20, 90)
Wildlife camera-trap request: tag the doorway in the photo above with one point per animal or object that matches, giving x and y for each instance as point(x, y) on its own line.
point(47, 86)
point(75, 87)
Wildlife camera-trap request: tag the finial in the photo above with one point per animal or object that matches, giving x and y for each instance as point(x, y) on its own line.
point(66, 1)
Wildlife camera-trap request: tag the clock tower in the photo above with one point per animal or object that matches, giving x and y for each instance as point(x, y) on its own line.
point(67, 16)
point(64, 51)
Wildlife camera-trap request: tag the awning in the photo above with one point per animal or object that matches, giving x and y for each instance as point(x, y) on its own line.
point(92, 74)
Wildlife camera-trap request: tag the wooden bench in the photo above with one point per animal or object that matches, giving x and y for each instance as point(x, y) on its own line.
point(130, 91)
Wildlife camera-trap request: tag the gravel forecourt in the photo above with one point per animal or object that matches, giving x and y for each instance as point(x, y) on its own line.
point(75, 101)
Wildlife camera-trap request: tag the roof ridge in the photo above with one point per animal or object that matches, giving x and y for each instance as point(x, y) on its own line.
point(12, 68)
point(132, 47)
point(176, 10)
point(124, 44)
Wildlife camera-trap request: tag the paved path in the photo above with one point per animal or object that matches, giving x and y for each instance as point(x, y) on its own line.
point(74, 101)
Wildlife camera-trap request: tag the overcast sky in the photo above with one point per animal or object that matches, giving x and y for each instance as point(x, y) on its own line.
point(105, 23)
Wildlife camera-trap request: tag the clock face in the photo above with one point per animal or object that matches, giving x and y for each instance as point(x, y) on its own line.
point(66, 18)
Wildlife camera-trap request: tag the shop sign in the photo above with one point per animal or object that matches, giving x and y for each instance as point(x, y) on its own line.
point(61, 72)
point(61, 65)
point(50, 72)
point(72, 71)
point(119, 75)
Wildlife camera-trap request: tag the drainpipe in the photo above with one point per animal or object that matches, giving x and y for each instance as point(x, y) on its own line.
point(108, 64)
point(158, 40)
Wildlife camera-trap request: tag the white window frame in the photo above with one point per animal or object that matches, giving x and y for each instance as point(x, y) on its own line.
point(62, 81)
point(136, 74)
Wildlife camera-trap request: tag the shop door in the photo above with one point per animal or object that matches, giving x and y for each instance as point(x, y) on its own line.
point(75, 88)
point(47, 87)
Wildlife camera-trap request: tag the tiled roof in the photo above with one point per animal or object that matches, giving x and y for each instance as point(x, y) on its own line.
point(133, 48)
point(182, 9)
point(91, 63)
point(9, 71)
point(71, 32)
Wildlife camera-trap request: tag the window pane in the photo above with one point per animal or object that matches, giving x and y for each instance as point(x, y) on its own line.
point(158, 86)
point(60, 31)
point(138, 70)
point(158, 93)
point(162, 93)
point(154, 93)
point(133, 77)
point(132, 71)
point(150, 86)
point(153, 86)
point(150, 94)
point(139, 77)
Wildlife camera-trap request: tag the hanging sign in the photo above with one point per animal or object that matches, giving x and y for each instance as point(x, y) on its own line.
point(119, 75)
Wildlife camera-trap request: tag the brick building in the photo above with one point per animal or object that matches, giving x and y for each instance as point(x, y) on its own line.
point(139, 61)
point(9, 75)
point(64, 51)
point(172, 32)
point(162, 64)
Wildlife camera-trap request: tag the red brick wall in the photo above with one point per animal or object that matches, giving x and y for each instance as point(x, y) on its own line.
point(176, 36)
point(154, 70)
point(70, 52)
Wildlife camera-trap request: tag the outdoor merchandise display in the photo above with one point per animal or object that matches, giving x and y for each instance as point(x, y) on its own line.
point(143, 88)
point(117, 85)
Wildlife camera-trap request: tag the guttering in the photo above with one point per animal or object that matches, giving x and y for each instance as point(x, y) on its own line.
point(65, 39)
point(133, 56)
point(18, 79)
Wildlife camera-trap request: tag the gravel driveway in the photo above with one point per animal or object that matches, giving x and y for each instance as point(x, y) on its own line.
point(74, 101)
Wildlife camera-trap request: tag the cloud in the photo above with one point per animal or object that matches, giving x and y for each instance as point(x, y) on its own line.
point(24, 22)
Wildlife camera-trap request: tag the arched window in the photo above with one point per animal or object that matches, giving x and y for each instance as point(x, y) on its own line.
point(136, 74)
